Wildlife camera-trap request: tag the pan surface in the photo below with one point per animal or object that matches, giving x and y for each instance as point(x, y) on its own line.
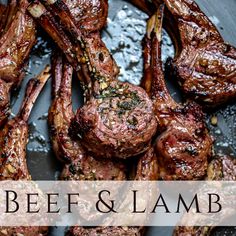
point(123, 35)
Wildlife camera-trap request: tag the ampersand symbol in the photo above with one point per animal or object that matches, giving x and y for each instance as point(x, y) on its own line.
point(109, 208)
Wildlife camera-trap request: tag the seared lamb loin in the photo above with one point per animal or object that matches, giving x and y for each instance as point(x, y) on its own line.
point(204, 65)
point(17, 37)
point(13, 141)
point(222, 168)
point(184, 144)
point(117, 120)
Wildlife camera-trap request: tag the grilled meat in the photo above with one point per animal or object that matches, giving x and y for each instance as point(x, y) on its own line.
point(192, 231)
point(88, 168)
point(61, 113)
point(204, 65)
point(184, 144)
point(117, 120)
point(14, 135)
point(67, 33)
point(13, 141)
point(26, 231)
point(89, 15)
point(4, 101)
point(147, 167)
point(17, 36)
point(220, 168)
point(80, 165)
point(104, 231)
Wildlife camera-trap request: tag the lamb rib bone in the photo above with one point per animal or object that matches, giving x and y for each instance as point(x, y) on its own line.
point(117, 120)
point(184, 145)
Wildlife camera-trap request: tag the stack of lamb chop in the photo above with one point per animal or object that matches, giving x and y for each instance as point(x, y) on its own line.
point(120, 126)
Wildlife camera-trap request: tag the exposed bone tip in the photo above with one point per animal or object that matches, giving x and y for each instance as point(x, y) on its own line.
point(50, 2)
point(45, 74)
point(150, 25)
point(36, 9)
point(154, 24)
point(159, 22)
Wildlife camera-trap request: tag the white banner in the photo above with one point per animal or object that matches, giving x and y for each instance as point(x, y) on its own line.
point(117, 203)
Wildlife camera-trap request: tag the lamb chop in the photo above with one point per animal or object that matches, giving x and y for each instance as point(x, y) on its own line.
point(13, 141)
point(79, 165)
point(184, 145)
point(17, 37)
point(14, 134)
point(221, 168)
point(204, 65)
point(117, 120)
